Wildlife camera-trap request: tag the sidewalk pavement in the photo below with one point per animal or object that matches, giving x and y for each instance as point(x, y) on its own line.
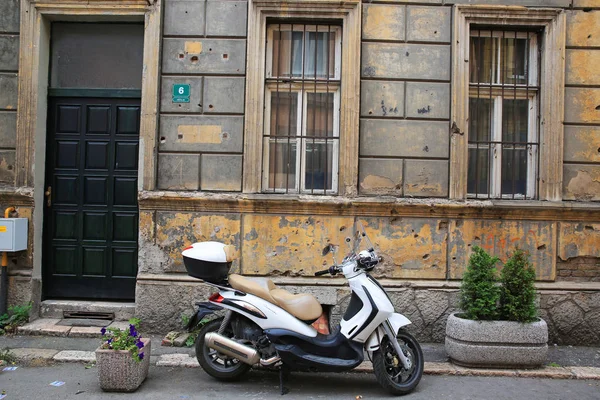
point(564, 362)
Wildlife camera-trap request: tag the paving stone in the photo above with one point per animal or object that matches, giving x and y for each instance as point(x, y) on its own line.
point(75, 356)
point(438, 368)
point(586, 372)
point(177, 360)
point(122, 325)
point(85, 331)
point(463, 371)
point(181, 339)
point(546, 372)
point(33, 357)
point(55, 330)
point(36, 326)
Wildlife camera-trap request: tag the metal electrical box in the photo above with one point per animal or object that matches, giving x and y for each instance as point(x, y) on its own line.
point(13, 234)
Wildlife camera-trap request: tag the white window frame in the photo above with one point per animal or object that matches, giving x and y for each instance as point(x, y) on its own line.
point(313, 12)
point(495, 184)
point(310, 86)
point(551, 97)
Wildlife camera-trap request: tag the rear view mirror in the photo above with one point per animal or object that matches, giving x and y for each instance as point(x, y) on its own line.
point(330, 248)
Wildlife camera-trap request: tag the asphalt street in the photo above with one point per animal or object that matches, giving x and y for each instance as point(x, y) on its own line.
point(183, 383)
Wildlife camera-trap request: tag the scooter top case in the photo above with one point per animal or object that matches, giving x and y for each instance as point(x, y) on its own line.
point(209, 261)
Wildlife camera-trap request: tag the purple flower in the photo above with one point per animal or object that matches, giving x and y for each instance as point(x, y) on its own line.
point(132, 331)
point(103, 331)
point(139, 344)
point(141, 355)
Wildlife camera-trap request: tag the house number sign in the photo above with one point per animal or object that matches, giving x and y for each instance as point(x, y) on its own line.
point(181, 93)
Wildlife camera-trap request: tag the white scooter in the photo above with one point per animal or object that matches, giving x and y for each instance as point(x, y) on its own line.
point(267, 325)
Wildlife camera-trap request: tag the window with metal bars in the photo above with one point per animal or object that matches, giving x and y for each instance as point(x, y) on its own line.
point(503, 114)
point(302, 96)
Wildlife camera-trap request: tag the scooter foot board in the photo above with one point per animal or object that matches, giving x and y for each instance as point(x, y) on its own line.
point(296, 359)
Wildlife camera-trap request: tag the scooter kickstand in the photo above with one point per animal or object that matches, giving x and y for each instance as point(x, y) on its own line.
point(282, 388)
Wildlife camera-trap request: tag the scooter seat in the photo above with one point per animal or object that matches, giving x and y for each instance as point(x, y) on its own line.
point(247, 285)
point(303, 306)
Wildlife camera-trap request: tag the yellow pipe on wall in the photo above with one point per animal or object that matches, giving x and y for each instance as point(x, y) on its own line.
point(5, 254)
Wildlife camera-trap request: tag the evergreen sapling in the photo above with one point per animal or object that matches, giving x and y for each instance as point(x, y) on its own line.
point(479, 293)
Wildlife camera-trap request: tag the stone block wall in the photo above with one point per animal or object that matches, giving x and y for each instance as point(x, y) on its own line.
point(405, 99)
point(9, 66)
point(200, 142)
point(405, 107)
point(582, 103)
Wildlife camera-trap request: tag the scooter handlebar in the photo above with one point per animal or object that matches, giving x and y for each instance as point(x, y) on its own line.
point(331, 270)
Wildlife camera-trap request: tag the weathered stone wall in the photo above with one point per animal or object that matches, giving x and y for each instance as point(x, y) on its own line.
point(579, 269)
point(405, 100)
point(204, 45)
point(582, 104)
point(404, 152)
point(9, 66)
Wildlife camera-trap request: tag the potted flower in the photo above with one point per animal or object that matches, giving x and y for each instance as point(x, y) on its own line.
point(499, 326)
point(123, 358)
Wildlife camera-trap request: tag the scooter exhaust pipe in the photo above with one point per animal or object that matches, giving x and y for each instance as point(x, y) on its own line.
point(231, 348)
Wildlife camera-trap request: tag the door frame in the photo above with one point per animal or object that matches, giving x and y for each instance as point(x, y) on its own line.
point(32, 106)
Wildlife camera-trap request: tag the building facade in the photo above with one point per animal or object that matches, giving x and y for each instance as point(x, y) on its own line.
point(132, 128)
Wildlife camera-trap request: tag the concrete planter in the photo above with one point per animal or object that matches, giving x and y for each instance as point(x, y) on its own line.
point(496, 344)
point(119, 372)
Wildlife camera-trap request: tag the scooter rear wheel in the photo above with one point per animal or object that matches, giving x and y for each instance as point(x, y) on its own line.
point(217, 365)
point(390, 373)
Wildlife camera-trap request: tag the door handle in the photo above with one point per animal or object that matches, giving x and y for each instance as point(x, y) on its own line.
point(48, 194)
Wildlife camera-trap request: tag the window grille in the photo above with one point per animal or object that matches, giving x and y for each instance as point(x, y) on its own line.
point(302, 96)
point(503, 114)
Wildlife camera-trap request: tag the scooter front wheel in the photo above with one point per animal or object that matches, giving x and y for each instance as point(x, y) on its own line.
point(390, 372)
point(217, 365)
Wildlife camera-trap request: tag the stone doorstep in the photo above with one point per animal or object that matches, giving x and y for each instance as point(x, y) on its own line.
point(55, 308)
point(41, 357)
point(50, 327)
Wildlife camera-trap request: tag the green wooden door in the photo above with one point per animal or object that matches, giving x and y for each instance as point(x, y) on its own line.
point(91, 210)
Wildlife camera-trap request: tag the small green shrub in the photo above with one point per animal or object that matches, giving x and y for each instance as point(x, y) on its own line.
point(517, 295)
point(17, 315)
point(479, 293)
